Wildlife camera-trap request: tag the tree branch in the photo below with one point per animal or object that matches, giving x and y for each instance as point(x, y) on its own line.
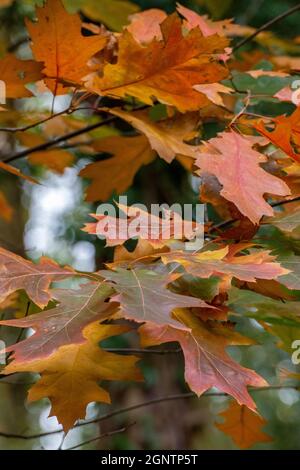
point(102, 436)
point(58, 140)
point(267, 25)
point(155, 401)
point(66, 111)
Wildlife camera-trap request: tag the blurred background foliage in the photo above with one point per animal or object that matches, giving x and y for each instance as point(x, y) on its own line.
point(47, 221)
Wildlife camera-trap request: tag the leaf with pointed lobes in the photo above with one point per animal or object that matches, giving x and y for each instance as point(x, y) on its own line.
point(145, 26)
point(144, 296)
point(71, 375)
point(167, 136)
point(64, 323)
point(57, 41)
point(286, 133)
point(17, 273)
point(243, 426)
point(206, 362)
point(164, 70)
point(138, 223)
point(244, 181)
point(16, 73)
point(116, 174)
point(256, 265)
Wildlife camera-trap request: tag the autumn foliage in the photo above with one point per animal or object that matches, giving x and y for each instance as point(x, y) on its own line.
point(153, 86)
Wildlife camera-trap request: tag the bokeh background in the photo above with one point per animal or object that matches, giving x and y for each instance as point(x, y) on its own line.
point(47, 221)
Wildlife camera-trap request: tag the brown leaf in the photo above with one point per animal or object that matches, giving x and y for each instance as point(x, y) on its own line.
point(166, 70)
point(70, 376)
point(243, 426)
point(206, 362)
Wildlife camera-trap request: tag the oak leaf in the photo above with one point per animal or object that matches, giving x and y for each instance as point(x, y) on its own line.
point(257, 265)
point(166, 70)
point(136, 222)
point(244, 181)
point(243, 426)
point(58, 42)
point(286, 134)
point(167, 136)
point(70, 376)
point(206, 362)
point(144, 296)
point(62, 324)
point(18, 273)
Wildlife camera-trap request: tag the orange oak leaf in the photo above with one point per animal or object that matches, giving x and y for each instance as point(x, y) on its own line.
point(116, 173)
point(286, 134)
point(18, 273)
point(145, 25)
point(166, 70)
point(206, 362)
point(136, 222)
point(244, 181)
point(16, 73)
point(62, 324)
point(58, 42)
point(71, 375)
point(167, 136)
point(257, 265)
point(144, 297)
point(243, 426)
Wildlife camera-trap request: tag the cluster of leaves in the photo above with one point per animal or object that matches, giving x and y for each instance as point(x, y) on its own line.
point(165, 77)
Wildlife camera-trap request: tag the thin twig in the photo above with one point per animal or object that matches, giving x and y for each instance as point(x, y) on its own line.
point(143, 351)
point(58, 140)
point(267, 25)
point(102, 436)
point(155, 401)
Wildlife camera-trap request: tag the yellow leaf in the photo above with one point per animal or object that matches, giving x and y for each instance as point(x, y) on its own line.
point(70, 375)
